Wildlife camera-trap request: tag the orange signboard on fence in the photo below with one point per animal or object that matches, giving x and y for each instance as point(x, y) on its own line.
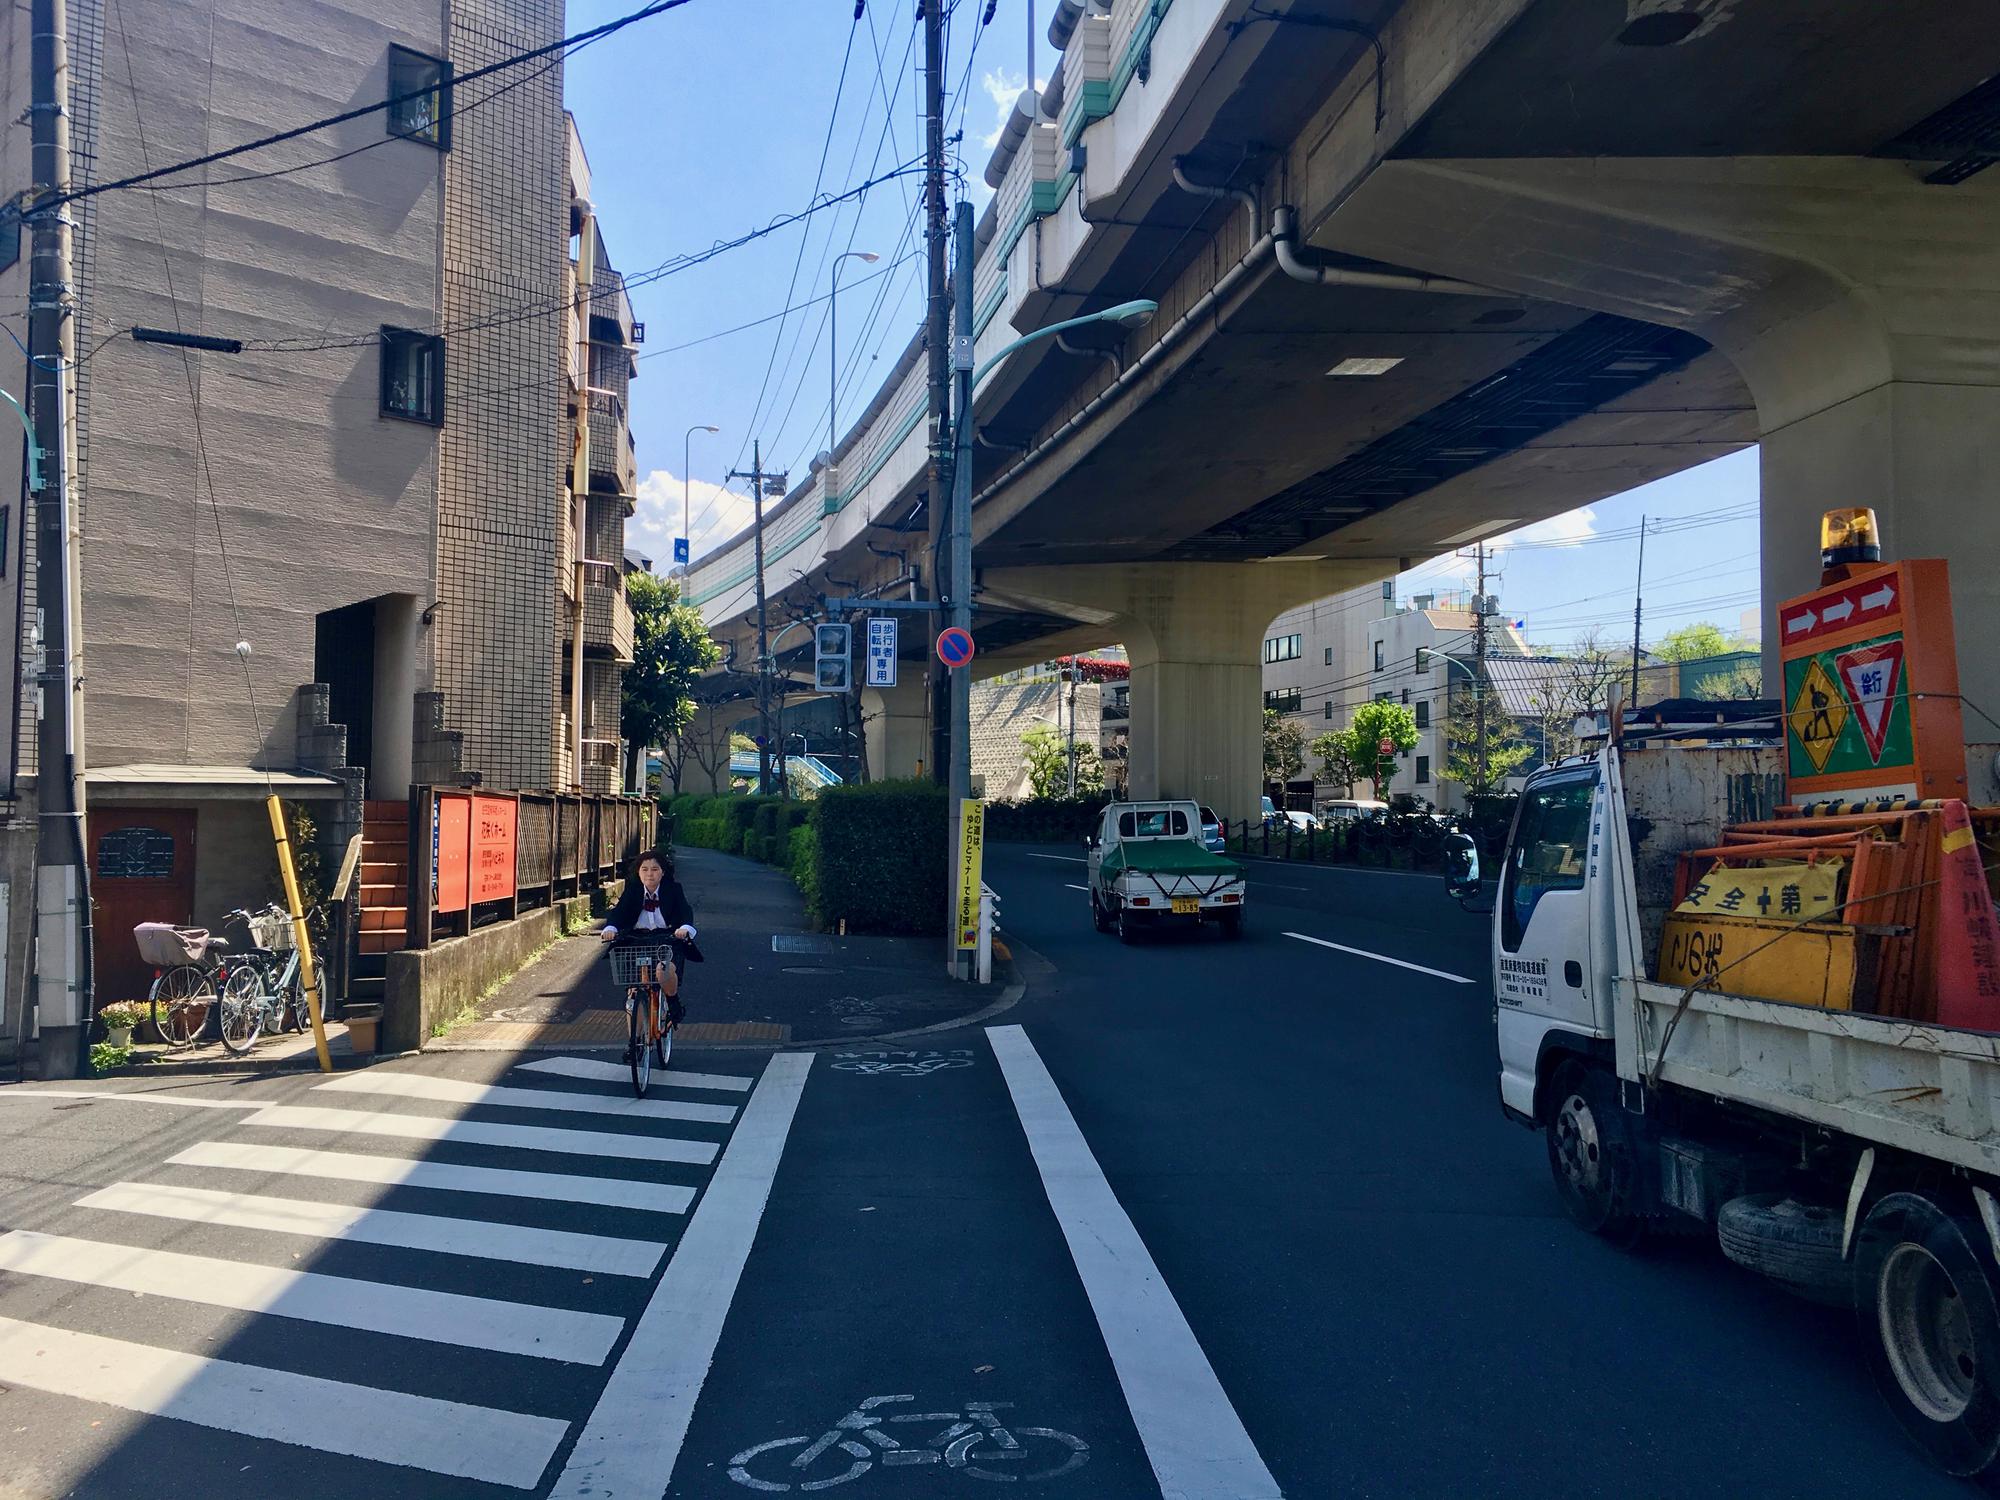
point(451, 829)
point(493, 828)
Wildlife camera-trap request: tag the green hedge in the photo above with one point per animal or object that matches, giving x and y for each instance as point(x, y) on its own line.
point(803, 850)
point(876, 858)
point(1044, 820)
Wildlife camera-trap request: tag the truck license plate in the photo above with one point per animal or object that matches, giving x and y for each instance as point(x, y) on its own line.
point(1186, 906)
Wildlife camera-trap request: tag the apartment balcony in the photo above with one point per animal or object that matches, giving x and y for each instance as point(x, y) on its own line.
point(607, 617)
point(614, 463)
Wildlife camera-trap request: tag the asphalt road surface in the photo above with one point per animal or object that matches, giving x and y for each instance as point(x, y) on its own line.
point(1196, 1219)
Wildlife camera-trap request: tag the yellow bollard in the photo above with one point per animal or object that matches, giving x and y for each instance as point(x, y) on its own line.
point(308, 974)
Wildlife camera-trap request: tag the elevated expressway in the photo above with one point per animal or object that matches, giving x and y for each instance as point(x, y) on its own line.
point(1600, 241)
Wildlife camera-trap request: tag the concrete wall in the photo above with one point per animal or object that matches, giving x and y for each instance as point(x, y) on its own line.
point(302, 463)
point(428, 986)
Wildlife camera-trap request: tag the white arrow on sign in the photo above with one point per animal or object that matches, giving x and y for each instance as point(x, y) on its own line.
point(1797, 623)
point(1839, 611)
point(1882, 598)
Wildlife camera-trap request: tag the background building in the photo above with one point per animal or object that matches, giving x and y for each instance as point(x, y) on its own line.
point(375, 493)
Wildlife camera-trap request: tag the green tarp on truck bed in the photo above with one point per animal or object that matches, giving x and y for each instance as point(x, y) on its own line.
point(1167, 857)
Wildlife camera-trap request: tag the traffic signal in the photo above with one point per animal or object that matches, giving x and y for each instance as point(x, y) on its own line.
point(831, 663)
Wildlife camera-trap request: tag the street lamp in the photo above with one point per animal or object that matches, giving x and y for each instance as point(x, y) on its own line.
point(687, 464)
point(1125, 315)
point(833, 356)
point(34, 448)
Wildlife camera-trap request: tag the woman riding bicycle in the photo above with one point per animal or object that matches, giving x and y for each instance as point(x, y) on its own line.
point(654, 902)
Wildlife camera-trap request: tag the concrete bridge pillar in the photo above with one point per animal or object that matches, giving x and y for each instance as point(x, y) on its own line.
point(1859, 304)
point(1195, 634)
point(896, 727)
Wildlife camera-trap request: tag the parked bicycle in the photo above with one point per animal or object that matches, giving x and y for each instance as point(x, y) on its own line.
point(643, 968)
point(266, 991)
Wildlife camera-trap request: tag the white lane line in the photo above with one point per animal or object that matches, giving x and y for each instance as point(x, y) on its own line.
point(1068, 859)
point(396, 1171)
point(1380, 958)
point(1194, 1439)
point(1075, 887)
point(136, 1095)
point(463, 1091)
point(583, 1067)
point(633, 1439)
point(381, 1226)
point(391, 1427)
point(479, 1133)
point(378, 1307)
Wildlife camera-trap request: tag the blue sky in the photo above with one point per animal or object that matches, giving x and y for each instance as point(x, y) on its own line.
point(712, 120)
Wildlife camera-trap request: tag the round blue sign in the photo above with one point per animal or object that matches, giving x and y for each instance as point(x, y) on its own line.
point(954, 646)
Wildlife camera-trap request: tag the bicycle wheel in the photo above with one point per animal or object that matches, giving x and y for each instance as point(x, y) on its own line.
point(181, 999)
point(243, 1006)
point(639, 1044)
point(1038, 1453)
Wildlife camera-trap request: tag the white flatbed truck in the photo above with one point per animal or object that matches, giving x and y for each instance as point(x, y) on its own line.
point(1855, 1158)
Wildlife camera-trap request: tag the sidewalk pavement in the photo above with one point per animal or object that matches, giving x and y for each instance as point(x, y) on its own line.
point(768, 980)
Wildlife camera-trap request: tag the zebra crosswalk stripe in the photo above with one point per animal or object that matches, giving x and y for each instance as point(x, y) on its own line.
point(480, 1133)
point(463, 1091)
point(396, 1171)
point(393, 1427)
point(373, 1306)
point(381, 1226)
point(608, 1072)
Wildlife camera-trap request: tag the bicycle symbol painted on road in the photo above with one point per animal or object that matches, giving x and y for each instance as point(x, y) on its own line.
point(906, 1064)
point(973, 1441)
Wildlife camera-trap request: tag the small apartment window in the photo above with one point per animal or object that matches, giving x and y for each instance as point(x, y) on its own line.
point(420, 97)
point(1423, 770)
point(1329, 709)
point(413, 375)
point(1384, 697)
point(1423, 713)
point(1283, 648)
point(1329, 656)
point(1378, 656)
point(1406, 695)
point(1283, 700)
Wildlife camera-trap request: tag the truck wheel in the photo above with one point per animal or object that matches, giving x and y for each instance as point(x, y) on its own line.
point(1097, 917)
point(1593, 1154)
point(1926, 1307)
point(1232, 924)
point(1796, 1244)
point(1128, 928)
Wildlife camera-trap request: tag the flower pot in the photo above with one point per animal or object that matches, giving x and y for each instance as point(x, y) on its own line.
point(363, 1023)
point(118, 1036)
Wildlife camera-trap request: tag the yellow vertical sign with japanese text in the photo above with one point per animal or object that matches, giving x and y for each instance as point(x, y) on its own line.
point(971, 855)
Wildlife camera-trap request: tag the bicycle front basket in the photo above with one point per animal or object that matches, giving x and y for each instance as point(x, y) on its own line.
point(273, 930)
point(164, 945)
point(626, 962)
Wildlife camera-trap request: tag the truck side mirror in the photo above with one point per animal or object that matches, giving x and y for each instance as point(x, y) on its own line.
point(1461, 865)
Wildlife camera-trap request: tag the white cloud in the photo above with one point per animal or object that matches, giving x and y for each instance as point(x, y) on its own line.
point(718, 514)
point(1459, 568)
point(1003, 88)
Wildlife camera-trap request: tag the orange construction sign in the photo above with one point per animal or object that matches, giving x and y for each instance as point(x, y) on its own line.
point(1968, 937)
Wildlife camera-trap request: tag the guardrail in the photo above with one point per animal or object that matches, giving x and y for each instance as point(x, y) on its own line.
point(479, 857)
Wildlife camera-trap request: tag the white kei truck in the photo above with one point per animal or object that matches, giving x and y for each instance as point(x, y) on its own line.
point(1150, 871)
point(1853, 1158)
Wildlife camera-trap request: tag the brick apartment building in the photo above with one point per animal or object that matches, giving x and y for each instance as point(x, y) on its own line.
point(376, 493)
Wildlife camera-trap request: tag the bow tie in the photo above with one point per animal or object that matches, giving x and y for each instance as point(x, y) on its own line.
point(652, 903)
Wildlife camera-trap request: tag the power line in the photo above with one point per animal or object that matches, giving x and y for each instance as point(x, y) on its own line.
point(153, 174)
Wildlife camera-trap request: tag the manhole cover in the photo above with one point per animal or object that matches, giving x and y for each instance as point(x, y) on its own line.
point(796, 942)
point(806, 969)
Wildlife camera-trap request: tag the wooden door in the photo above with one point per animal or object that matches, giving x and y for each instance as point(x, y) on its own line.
point(141, 870)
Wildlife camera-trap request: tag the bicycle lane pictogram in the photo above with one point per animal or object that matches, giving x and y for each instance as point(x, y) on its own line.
point(910, 1322)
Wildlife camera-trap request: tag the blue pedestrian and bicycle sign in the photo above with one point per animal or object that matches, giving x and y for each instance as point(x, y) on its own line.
point(954, 646)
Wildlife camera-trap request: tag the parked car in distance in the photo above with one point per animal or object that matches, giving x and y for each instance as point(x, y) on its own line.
point(1300, 821)
point(1211, 831)
point(1351, 809)
point(1270, 812)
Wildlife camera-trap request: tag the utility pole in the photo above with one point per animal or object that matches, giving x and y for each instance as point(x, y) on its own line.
point(1638, 612)
point(63, 959)
point(1070, 674)
point(756, 478)
point(936, 335)
point(959, 679)
point(1479, 618)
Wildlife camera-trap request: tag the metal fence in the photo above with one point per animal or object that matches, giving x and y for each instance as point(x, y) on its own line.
point(562, 844)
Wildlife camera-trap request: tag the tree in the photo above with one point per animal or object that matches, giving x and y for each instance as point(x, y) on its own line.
point(1575, 684)
point(1507, 749)
point(1284, 748)
point(1373, 723)
point(671, 647)
point(1047, 753)
point(1693, 642)
point(1335, 750)
point(1738, 685)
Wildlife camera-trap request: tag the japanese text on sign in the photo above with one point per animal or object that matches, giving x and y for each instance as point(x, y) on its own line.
point(882, 652)
point(971, 851)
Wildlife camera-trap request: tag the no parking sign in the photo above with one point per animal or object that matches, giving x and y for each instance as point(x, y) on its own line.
point(954, 646)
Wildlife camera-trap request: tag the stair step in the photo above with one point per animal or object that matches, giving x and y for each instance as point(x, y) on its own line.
point(382, 942)
point(368, 966)
point(384, 871)
point(384, 893)
point(378, 807)
point(385, 919)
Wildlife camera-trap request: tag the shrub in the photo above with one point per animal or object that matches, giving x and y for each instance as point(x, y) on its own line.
point(1044, 820)
point(878, 857)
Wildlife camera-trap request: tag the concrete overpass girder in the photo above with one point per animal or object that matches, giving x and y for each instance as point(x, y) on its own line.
point(1194, 633)
point(1860, 305)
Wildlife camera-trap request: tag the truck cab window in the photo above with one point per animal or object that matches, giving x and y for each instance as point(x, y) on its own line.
point(1550, 843)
